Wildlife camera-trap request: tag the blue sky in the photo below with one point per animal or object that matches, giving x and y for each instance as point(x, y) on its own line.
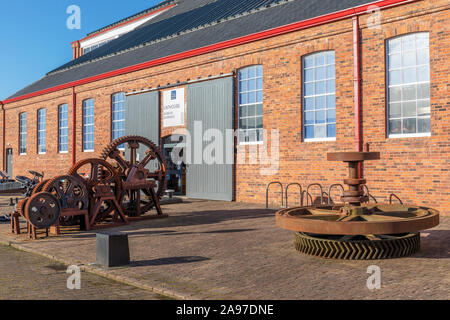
point(35, 39)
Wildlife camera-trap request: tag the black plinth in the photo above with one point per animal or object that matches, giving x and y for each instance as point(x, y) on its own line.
point(112, 249)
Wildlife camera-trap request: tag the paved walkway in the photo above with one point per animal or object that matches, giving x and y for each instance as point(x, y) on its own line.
point(219, 250)
point(33, 277)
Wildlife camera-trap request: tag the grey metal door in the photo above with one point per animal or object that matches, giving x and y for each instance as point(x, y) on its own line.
point(142, 119)
point(9, 163)
point(211, 104)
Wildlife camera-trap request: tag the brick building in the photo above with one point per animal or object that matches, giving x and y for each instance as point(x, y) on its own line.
point(328, 75)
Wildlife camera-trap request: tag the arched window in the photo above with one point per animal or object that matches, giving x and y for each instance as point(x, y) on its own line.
point(42, 131)
point(118, 115)
point(251, 104)
point(319, 96)
point(23, 133)
point(408, 77)
point(63, 128)
point(88, 125)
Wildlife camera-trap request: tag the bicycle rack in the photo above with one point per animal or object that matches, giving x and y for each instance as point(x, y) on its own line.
point(267, 192)
point(286, 193)
point(304, 194)
point(368, 193)
point(394, 196)
point(307, 193)
point(334, 186)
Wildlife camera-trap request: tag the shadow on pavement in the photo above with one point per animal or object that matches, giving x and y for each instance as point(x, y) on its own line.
point(167, 261)
point(435, 244)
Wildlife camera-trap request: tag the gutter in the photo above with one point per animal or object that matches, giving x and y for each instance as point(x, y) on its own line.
point(357, 83)
point(336, 16)
point(3, 136)
point(74, 124)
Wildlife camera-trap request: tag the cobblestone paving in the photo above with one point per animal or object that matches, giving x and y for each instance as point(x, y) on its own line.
point(214, 250)
point(32, 277)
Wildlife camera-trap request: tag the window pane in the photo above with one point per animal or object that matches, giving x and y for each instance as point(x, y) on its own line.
point(395, 126)
point(331, 130)
point(424, 125)
point(309, 132)
point(320, 131)
point(409, 125)
point(320, 116)
point(309, 103)
point(423, 73)
point(320, 87)
point(423, 91)
point(408, 42)
point(309, 89)
point(409, 109)
point(320, 73)
point(395, 61)
point(308, 61)
point(259, 110)
point(395, 94)
point(309, 117)
point(331, 115)
point(423, 107)
point(321, 102)
point(395, 77)
point(309, 75)
point(409, 59)
point(395, 110)
point(409, 92)
point(331, 101)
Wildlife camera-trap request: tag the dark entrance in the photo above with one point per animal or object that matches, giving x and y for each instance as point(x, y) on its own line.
point(176, 177)
point(9, 163)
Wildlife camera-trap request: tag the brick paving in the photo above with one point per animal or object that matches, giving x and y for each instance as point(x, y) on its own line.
point(33, 277)
point(218, 250)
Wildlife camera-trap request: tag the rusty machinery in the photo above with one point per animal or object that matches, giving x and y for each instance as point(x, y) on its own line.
point(356, 229)
point(104, 193)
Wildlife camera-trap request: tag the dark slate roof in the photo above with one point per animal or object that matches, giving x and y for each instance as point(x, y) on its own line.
point(146, 43)
point(158, 6)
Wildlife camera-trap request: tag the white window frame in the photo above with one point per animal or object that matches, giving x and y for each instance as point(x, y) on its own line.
point(22, 133)
point(115, 122)
point(88, 125)
point(42, 131)
point(61, 128)
point(314, 96)
point(403, 84)
point(261, 141)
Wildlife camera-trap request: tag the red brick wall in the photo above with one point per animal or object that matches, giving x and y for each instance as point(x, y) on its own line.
point(416, 169)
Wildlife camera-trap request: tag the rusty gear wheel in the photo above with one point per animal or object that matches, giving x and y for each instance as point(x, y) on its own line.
point(138, 175)
point(70, 190)
point(96, 172)
point(38, 188)
point(358, 247)
point(42, 210)
point(20, 207)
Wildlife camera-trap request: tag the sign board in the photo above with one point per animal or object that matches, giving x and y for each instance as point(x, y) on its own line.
point(173, 108)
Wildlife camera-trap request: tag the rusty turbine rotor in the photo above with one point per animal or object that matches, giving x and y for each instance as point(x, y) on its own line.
point(356, 229)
